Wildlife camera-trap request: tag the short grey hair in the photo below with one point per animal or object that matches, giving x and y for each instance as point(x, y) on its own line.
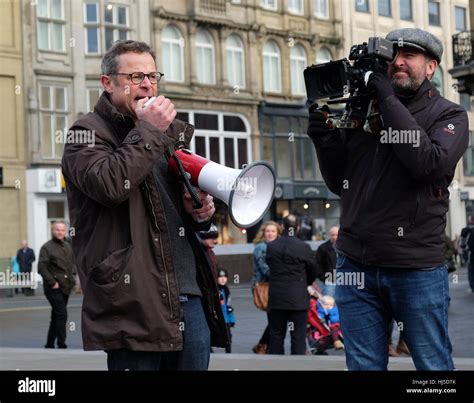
point(110, 63)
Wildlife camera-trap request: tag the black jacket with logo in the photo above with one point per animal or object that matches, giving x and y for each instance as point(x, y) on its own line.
point(394, 196)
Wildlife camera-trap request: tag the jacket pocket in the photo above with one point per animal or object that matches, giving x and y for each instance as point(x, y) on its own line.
point(111, 268)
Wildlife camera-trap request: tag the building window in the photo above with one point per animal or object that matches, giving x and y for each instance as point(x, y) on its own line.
point(468, 158)
point(298, 63)
point(437, 80)
point(269, 4)
point(92, 28)
point(292, 157)
point(385, 8)
point(220, 137)
point(405, 10)
point(116, 24)
point(362, 5)
point(205, 61)
point(460, 14)
point(271, 67)
point(321, 9)
point(235, 62)
point(53, 120)
point(172, 44)
point(51, 22)
point(433, 13)
point(93, 95)
point(102, 33)
point(323, 55)
point(296, 7)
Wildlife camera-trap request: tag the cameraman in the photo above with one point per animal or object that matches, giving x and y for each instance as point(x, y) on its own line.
point(394, 199)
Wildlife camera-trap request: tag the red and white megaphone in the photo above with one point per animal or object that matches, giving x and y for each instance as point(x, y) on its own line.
point(248, 192)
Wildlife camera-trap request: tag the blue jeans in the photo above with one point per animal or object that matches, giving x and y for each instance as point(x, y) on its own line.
point(416, 299)
point(194, 356)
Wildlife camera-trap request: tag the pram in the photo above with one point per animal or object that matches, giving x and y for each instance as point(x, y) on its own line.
point(319, 332)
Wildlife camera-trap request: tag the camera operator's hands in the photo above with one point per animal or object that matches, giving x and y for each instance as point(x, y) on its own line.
point(381, 85)
point(317, 122)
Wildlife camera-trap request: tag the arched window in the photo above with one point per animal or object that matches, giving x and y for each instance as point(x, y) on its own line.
point(172, 44)
point(235, 61)
point(298, 64)
point(323, 55)
point(271, 67)
point(205, 65)
point(438, 80)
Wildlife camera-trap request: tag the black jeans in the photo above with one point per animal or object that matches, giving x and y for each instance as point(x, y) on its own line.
point(265, 339)
point(57, 326)
point(282, 320)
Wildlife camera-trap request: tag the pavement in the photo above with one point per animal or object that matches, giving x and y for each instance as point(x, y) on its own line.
point(24, 323)
point(21, 359)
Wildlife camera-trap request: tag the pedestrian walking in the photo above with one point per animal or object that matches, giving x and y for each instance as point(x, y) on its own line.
point(292, 269)
point(56, 266)
point(268, 232)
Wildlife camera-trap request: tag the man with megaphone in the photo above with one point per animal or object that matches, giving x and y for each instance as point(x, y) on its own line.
point(150, 299)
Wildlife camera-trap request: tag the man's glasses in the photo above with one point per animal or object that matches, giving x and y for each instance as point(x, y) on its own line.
point(138, 77)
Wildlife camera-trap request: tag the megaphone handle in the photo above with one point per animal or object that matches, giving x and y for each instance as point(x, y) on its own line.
point(197, 204)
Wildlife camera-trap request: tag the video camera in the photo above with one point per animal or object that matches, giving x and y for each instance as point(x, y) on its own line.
point(345, 80)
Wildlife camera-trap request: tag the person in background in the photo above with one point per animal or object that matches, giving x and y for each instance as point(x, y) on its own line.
point(56, 265)
point(208, 240)
point(226, 304)
point(326, 262)
point(268, 232)
point(25, 257)
point(456, 244)
point(292, 269)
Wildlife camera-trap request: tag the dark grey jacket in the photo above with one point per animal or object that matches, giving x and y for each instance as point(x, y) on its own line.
point(56, 264)
point(394, 197)
point(292, 269)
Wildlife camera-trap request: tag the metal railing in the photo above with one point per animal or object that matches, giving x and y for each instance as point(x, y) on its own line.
point(463, 44)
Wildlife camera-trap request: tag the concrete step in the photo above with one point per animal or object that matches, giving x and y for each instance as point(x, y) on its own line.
point(75, 359)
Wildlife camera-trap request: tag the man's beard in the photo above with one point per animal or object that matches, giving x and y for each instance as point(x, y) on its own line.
point(408, 85)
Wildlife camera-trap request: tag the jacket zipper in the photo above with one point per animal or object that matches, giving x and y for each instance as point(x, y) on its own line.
point(364, 246)
point(155, 223)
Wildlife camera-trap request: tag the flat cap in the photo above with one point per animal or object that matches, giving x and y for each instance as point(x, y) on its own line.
point(419, 39)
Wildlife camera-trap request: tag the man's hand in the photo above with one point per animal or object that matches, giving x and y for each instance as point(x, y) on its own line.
point(55, 286)
point(205, 212)
point(317, 122)
point(160, 113)
point(381, 85)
